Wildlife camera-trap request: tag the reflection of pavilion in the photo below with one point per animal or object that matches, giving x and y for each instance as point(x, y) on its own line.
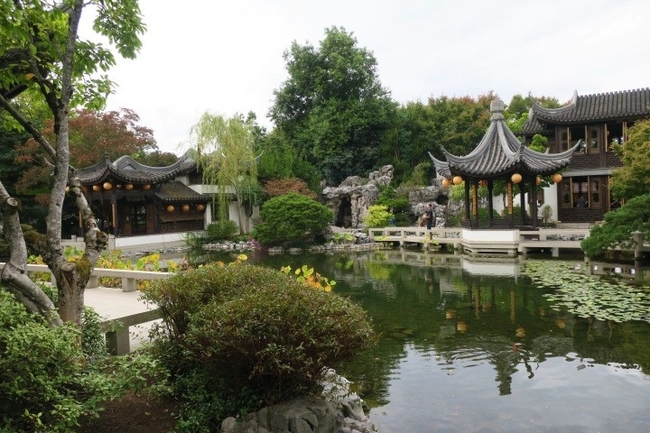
point(500, 156)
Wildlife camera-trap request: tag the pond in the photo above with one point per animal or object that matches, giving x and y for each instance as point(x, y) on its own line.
point(480, 346)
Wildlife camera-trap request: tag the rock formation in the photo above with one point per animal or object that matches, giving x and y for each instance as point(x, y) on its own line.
point(351, 199)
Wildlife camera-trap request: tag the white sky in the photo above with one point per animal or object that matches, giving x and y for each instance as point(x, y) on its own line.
point(225, 57)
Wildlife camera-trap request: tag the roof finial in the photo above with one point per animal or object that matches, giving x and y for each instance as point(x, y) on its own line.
point(496, 108)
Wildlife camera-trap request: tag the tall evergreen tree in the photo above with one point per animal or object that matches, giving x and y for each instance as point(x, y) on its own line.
point(333, 109)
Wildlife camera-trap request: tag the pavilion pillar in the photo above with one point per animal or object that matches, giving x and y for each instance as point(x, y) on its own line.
point(467, 215)
point(490, 186)
point(510, 205)
point(475, 202)
point(522, 201)
point(114, 214)
point(533, 201)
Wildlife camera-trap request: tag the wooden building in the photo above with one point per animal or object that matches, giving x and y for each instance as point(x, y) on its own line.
point(588, 126)
point(130, 198)
point(501, 156)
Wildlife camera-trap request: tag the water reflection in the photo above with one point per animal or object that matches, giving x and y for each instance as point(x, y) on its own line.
point(473, 346)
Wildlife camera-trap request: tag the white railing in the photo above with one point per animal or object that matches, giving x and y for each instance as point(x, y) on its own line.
point(129, 277)
point(415, 234)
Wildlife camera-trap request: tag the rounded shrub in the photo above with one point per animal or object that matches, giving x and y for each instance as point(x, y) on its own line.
point(292, 220)
point(253, 335)
point(222, 230)
point(43, 383)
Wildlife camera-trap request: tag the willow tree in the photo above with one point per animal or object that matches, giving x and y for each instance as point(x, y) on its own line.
point(224, 149)
point(41, 54)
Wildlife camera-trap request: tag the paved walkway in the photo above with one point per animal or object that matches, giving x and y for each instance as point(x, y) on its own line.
point(114, 303)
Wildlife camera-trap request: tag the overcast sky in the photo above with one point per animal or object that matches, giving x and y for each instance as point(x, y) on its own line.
point(225, 57)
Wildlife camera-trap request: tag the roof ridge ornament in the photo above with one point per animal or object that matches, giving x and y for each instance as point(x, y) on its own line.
point(496, 108)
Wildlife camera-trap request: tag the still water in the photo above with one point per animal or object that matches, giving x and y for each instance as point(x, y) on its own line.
point(471, 346)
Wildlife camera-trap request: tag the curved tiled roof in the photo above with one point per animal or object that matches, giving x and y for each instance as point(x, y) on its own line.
point(128, 170)
point(590, 108)
point(175, 191)
point(500, 154)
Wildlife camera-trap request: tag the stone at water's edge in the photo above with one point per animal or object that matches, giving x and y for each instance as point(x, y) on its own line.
point(339, 411)
point(305, 415)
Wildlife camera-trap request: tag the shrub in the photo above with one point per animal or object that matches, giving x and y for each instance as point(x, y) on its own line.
point(43, 383)
point(618, 226)
point(377, 216)
point(278, 187)
point(292, 220)
point(243, 336)
point(222, 230)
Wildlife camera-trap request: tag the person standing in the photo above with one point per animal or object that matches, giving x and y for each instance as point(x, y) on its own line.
point(429, 214)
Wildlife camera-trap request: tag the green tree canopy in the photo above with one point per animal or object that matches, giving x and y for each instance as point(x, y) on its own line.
point(332, 109)
point(618, 226)
point(41, 54)
point(633, 179)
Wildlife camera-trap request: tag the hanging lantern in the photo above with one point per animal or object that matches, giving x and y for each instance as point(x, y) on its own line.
point(483, 183)
point(200, 207)
point(186, 207)
point(458, 180)
point(446, 182)
point(538, 180)
point(515, 178)
point(108, 186)
point(67, 189)
point(119, 186)
point(556, 178)
point(146, 187)
point(170, 208)
point(129, 186)
point(97, 188)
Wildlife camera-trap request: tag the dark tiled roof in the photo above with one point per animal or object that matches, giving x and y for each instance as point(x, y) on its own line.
point(590, 108)
point(128, 170)
point(175, 191)
point(500, 154)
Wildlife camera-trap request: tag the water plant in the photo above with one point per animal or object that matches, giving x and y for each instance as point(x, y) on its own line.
point(587, 296)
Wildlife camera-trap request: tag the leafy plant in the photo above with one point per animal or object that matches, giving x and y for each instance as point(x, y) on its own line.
point(310, 277)
point(618, 226)
point(235, 337)
point(43, 384)
point(377, 216)
point(222, 230)
point(292, 220)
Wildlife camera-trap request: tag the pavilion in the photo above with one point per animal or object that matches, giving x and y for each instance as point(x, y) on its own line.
point(132, 199)
point(500, 156)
